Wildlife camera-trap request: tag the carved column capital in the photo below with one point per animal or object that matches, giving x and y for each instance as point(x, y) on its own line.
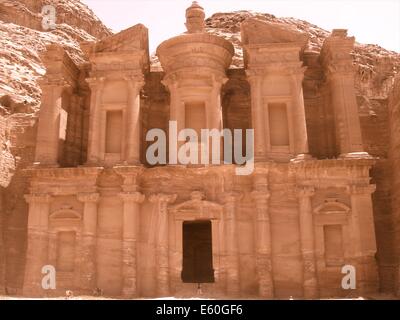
point(231, 197)
point(163, 198)
point(171, 82)
point(53, 82)
point(255, 74)
point(135, 82)
point(95, 82)
point(259, 195)
point(305, 191)
point(37, 198)
point(88, 197)
point(355, 189)
point(135, 197)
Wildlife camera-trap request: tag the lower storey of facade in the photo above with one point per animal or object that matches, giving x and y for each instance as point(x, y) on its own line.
point(285, 230)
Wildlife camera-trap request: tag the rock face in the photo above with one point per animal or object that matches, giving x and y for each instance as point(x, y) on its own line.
point(23, 46)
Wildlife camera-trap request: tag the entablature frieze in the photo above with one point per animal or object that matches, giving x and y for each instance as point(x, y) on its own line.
point(210, 77)
point(62, 173)
point(118, 74)
point(279, 68)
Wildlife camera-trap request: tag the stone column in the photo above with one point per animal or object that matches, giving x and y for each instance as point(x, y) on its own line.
point(214, 115)
point(299, 116)
point(162, 250)
point(339, 71)
point(214, 118)
point(263, 244)
point(89, 230)
point(47, 146)
point(310, 282)
point(176, 113)
point(363, 233)
point(132, 148)
point(230, 200)
point(257, 116)
point(94, 141)
point(37, 249)
point(131, 216)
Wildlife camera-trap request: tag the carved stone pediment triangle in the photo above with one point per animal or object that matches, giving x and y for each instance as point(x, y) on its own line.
point(198, 206)
point(132, 39)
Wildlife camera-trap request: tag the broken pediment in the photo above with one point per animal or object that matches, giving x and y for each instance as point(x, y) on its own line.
point(256, 32)
point(132, 39)
point(126, 49)
point(198, 207)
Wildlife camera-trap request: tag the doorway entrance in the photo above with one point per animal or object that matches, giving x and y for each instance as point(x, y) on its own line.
point(197, 252)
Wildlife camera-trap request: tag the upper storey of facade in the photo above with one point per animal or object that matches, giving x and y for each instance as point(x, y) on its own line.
point(100, 114)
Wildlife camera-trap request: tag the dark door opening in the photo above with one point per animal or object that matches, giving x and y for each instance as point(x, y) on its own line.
point(197, 252)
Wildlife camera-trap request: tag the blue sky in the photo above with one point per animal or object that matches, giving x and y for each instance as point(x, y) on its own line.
point(370, 21)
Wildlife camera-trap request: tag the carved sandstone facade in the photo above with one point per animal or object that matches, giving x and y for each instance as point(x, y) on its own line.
point(107, 219)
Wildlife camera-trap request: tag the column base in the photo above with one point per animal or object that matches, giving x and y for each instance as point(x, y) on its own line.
point(128, 294)
point(301, 157)
point(45, 165)
point(33, 291)
point(310, 290)
point(356, 155)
